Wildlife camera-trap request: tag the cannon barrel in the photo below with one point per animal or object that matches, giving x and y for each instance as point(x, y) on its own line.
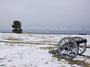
point(77, 41)
point(81, 41)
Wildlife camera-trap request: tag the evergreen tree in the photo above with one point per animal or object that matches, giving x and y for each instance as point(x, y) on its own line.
point(16, 27)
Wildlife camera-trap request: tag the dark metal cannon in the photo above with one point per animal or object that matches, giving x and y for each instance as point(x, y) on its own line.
point(70, 47)
point(81, 41)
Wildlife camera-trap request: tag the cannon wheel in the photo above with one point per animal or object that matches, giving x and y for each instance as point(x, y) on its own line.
point(82, 46)
point(67, 48)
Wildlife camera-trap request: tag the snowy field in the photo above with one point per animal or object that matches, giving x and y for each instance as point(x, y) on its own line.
point(37, 53)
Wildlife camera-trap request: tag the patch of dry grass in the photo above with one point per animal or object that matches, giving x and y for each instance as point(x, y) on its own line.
point(72, 62)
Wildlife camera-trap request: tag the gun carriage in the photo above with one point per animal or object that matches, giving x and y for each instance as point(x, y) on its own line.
point(70, 47)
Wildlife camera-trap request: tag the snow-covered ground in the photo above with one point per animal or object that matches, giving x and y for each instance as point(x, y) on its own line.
point(37, 55)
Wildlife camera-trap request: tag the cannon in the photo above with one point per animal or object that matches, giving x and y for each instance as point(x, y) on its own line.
point(70, 47)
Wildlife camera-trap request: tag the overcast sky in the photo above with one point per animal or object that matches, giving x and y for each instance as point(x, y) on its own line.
point(45, 14)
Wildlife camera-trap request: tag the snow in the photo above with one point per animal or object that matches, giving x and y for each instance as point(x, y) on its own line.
point(33, 55)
